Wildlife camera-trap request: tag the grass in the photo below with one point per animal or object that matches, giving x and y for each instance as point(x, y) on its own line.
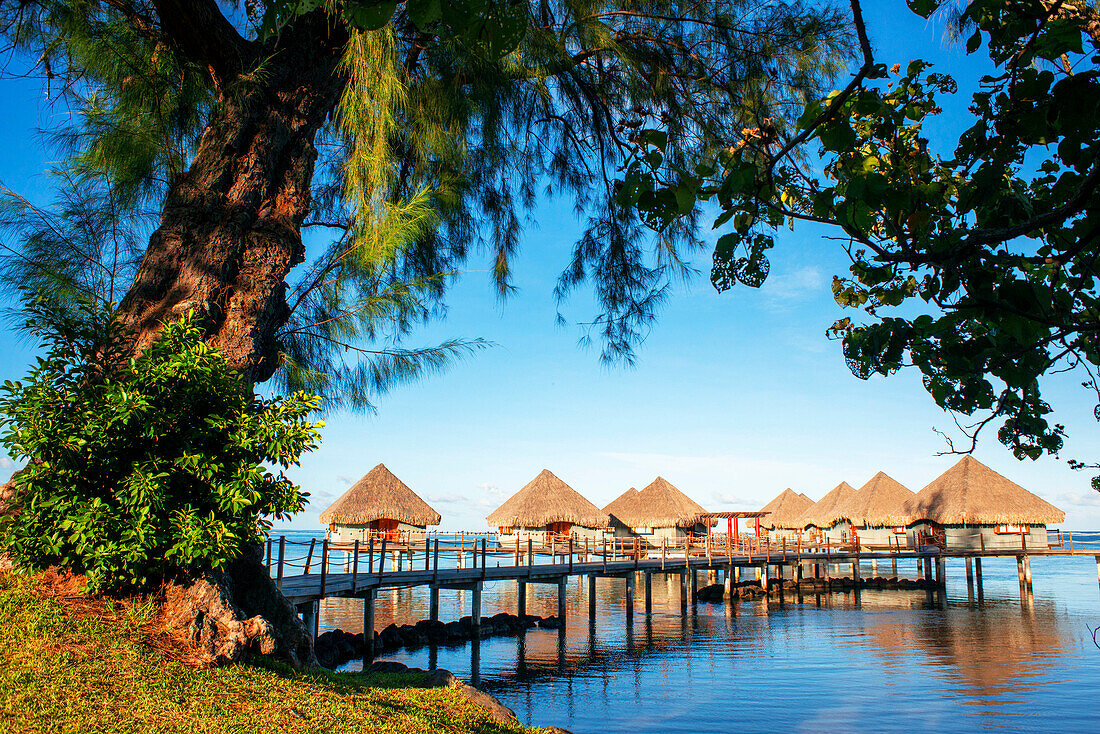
point(73, 663)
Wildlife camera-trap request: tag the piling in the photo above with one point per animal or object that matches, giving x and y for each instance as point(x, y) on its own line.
point(561, 601)
point(683, 591)
point(630, 599)
point(591, 597)
point(368, 620)
point(521, 598)
point(648, 592)
point(969, 576)
point(433, 603)
point(475, 609)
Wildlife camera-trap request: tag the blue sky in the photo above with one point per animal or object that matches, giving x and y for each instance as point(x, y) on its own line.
point(734, 396)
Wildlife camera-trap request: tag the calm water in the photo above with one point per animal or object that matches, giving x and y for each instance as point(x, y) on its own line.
point(888, 661)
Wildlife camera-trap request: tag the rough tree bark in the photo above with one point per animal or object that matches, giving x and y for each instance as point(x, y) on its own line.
point(230, 226)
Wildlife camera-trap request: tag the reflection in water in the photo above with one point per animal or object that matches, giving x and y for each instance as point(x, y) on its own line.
point(874, 661)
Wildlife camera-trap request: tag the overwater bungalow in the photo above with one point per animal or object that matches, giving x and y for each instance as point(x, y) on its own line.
point(659, 511)
point(619, 507)
point(972, 507)
point(782, 520)
point(824, 520)
point(875, 512)
point(378, 505)
point(548, 507)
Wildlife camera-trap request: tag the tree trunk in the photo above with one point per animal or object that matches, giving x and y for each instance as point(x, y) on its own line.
point(231, 225)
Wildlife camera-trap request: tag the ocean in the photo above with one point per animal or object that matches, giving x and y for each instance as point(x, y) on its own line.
point(883, 662)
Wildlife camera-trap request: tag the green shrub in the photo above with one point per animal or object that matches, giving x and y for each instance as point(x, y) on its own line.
point(138, 468)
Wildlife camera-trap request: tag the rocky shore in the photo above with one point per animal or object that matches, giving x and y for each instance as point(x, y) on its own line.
point(338, 647)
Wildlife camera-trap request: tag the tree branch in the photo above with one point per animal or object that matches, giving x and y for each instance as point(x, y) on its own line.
point(198, 30)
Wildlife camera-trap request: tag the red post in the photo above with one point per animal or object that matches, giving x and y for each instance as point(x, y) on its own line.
point(736, 531)
point(758, 526)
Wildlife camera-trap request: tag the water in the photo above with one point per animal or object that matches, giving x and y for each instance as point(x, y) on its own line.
point(888, 661)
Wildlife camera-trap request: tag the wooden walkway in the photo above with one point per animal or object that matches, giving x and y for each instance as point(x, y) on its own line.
point(343, 571)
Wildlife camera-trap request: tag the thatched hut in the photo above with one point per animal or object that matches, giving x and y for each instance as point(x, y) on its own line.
point(971, 507)
point(659, 511)
point(545, 507)
point(875, 512)
point(824, 518)
point(782, 520)
point(378, 505)
point(617, 509)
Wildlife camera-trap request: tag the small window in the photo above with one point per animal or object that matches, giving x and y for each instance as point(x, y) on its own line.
point(1012, 529)
point(506, 531)
point(899, 531)
point(642, 530)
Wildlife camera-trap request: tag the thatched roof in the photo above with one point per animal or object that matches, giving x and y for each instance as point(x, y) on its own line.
point(379, 496)
point(824, 512)
point(970, 493)
point(620, 505)
point(660, 505)
point(785, 509)
point(807, 497)
point(878, 503)
point(546, 499)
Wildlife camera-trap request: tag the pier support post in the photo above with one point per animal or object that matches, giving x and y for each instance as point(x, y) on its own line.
point(684, 591)
point(1027, 572)
point(894, 566)
point(1020, 570)
point(941, 571)
point(969, 576)
point(736, 574)
point(694, 584)
point(475, 609)
point(927, 576)
point(591, 597)
point(309, 617)
point(727, 583)
point(368, 622)
point(629, 599)
point(648, 592)
point(561, 601)
point(855, 572)
point(874, 567)
point(762, 574)
point(433, 604)
point(521, 598)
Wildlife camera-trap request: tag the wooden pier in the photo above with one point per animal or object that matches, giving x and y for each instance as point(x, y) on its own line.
point(468, 561)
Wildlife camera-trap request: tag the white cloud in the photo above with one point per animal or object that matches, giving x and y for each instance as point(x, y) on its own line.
point(490, 488)
point(448, 499)
point(801, 284)
point(1079, 499)
point(6, 463)
point(345, 480)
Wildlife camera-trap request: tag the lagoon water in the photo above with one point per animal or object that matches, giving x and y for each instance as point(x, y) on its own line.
point(887, 661)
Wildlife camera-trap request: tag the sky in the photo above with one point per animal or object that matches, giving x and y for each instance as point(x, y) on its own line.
point(734, 396)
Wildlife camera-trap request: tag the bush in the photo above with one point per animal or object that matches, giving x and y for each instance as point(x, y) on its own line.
point(138, 468)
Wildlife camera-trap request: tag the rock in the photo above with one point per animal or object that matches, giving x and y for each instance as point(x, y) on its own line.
point(556, 730)
point(549, 623)
point(441, 678)
point(497, 711)
point(227, 615)
point(713, 592)
point(387, 666)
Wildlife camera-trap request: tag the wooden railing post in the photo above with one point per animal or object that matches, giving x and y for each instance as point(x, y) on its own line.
point(370, 554)
point(382, 559)
point(309, 557)
point(484, 542)
point(269, 556)
point(282, 551)
point(664, 551)
point(605, 554)
point(324, 564)
point(570, 553)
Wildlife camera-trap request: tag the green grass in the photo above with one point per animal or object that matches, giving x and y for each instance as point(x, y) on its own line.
point(70, 663)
